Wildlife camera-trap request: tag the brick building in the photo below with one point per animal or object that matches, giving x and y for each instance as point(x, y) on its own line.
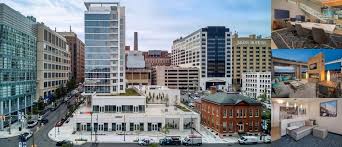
point(76, 47)
point(230, 114)
point(157, 58)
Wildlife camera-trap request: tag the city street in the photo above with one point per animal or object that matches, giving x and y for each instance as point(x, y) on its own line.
point(40, 137)
point(203, 145)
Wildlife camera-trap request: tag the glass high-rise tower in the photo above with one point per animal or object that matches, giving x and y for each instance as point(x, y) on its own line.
point(17, 63)
point(104, 47)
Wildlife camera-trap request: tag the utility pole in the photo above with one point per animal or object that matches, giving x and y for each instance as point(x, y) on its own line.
point(91, 128)
point(125, 128)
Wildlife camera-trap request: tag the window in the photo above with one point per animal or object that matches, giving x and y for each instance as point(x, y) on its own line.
point(250, 113)
point(251, 126)
point(95, 108)
point(256, 126)
point(237, 113)
point(225, 113)
point(231, 113)
point(256, 112)
point(105, 128)
point(231, 127)
point(224, 125)
point(113, 126)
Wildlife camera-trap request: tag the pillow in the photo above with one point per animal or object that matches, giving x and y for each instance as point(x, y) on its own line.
point(275, 85)
point(308, 123)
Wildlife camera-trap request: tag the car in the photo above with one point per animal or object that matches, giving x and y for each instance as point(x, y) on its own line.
point(61, 143)
point(144, 141)
point(267, 139)
point(44, 121)
point(67, 121)
point(248, 140)
point(25, 136)
point(31, 123)
point(170, 140)
point(59, 123)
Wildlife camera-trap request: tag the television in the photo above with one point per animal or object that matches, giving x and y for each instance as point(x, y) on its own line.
point(300, 18)
point(313, 66)
point(281, 14)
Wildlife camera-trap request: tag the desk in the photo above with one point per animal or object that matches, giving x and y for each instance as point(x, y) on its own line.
point(328, 28)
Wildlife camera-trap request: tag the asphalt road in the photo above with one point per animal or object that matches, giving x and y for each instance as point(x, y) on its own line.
point(40, 136)
point(203, 145)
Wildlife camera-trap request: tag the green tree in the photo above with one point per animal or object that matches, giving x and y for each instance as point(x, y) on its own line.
point(71, 84)
point(165, 130)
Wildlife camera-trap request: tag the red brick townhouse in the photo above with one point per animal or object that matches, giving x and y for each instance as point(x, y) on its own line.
point(230, 114)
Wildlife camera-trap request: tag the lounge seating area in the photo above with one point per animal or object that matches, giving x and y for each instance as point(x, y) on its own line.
point(298, 130)
point(287, 86)
point(294, 35)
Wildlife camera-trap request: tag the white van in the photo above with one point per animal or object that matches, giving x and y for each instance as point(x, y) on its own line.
point(248, 140)
point(192, 140)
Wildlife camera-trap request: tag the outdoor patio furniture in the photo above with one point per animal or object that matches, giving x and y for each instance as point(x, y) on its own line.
point(320, 132)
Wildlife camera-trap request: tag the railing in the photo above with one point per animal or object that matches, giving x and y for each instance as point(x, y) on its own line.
point(305, 7)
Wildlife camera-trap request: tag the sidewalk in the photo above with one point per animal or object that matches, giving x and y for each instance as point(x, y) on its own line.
point(14, 131)
point(66, 131)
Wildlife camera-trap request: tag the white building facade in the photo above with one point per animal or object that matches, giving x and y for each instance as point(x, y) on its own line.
point(208, 49)
point(132, 114)
point(105, 47)
point(255, 84)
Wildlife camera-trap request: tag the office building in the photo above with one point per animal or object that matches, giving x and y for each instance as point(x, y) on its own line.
point(256, 84)
point(105, 47)
point(136, 71)
point(250, 54)
point(18, 51)
point(53, 62)
point(208, 49)
point(184, 78)
point(76, 47)
point(230, 114)
point(157, 58)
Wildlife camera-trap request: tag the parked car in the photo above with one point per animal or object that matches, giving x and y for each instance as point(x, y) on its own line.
point(170, 140)
point(44, 121)
point(31, 123)
point(192, 140)
point(59, 123)
point(61, 143)
point(25, 136)
point(144, 141)
point(267, 139)
point(248, 140)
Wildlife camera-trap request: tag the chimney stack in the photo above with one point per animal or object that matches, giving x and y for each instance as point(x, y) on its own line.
point(135, 41)
point(70, 28)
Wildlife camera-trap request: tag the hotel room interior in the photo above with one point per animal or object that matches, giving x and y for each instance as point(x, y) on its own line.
point(306, 122)
point(306, 24)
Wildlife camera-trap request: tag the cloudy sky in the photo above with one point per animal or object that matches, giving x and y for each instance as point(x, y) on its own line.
point(158, 22)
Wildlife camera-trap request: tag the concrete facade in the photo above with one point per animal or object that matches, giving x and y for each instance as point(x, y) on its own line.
point(183, 78)
point(208, 49)
point(250, 54)
point(53, 62)
point(255, 84)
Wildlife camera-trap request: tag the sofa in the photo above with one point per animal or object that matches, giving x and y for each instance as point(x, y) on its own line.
point(303, 129)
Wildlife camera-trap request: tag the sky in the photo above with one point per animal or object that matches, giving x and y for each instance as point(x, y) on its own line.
point(158, 22)
point(304, 54)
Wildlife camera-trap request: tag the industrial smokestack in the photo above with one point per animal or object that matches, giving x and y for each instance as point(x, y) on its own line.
point(135, 41)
